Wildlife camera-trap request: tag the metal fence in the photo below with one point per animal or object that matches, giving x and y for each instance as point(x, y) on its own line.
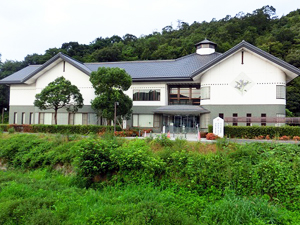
point(282, 120)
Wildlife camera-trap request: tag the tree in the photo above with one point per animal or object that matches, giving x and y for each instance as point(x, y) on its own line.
point(109, 84)
point(58, 94)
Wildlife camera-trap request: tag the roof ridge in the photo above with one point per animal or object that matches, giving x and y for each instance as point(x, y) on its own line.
point(137, 61)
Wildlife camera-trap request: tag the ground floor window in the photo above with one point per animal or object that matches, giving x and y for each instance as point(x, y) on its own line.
point(235, 121)
point(31, 118)
point(23, 118)
point(248, 115)
point(15, 118)
point(46, 118)
point(142, 120)
point(78, 118)
point(263, 119)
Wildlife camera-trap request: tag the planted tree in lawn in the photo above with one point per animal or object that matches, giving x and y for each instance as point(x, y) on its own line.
point(58, 94)
point(109, 84)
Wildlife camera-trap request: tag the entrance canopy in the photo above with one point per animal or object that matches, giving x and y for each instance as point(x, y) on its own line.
point(181, 110)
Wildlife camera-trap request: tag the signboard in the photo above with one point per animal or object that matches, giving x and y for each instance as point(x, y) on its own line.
point(218, 127)
point(124, 124)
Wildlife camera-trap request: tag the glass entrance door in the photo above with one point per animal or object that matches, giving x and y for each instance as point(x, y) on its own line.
point(181, 123)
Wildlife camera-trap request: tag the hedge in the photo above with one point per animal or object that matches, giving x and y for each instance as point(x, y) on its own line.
point(61, 129)
point(255, 131)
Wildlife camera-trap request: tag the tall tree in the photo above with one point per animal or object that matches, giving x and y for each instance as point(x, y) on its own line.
point(58, 94)
point(109, 84)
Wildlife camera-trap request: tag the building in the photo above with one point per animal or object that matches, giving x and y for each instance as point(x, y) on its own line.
point(186, 92)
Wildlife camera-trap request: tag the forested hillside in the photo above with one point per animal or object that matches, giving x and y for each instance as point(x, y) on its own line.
point(262, 28)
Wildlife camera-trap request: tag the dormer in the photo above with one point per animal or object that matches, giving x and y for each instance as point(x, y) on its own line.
point(205, 47)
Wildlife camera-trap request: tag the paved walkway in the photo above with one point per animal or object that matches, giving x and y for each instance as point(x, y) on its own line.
point(194, 137)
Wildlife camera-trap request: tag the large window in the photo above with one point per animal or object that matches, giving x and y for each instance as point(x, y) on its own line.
point(146, 95)
point(184, 95)
point(142, 120)
point(78, 118)
point(205, 93)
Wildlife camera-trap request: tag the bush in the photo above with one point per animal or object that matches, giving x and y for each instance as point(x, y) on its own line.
point(93, 159)
point(256, 131)
point(163, 140)
point(11, 130)
point(211, 136)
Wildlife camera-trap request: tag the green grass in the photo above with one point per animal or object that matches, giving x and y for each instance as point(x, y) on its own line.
point(43, 197)
point(54, 179)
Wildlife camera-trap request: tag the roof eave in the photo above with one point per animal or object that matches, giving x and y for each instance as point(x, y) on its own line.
point(252, 48)
point(161, 79)
point(52, 60)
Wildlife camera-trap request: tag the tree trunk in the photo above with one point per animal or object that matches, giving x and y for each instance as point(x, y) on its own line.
point(55, 116)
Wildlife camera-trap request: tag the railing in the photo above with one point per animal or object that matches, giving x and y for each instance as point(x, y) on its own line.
point(286, 120)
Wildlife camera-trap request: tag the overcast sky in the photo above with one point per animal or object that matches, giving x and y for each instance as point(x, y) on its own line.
point(33, 26)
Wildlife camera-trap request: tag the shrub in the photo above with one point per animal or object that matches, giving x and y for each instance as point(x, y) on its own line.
point(296, 138)
point(211, 136)
point(136, 156)
point(285, 138)
point(93, 159)
point(11, 130)
point(163, 140)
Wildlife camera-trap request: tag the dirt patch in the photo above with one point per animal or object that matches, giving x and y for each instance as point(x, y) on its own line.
point(3, 165)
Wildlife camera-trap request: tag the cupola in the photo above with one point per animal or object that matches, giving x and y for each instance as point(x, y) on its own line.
point(205, 47)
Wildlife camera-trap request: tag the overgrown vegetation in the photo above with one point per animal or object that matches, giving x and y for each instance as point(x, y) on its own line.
point(62, 179)
point(268, 132)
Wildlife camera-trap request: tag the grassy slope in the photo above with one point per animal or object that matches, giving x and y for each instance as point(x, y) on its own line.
point(169, 183)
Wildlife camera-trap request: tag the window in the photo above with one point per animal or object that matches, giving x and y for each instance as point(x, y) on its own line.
point(23, 118)
point(248, 119)
point(142, 120)
point(41, 118)
point(30, 118)
point(15, 118)
point(184, 95)
point(156, 121)
point(205, 93)
point(263, 119)
point(146, 95)
point(280, 92)
point(84, 119)
point(235, 120)
point(221, 115)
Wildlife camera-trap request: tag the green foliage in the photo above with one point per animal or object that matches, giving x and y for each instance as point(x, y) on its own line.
point(163, 140)
point(109, 84)
point(58, 94)
point(71, 129)
point(242, 210)
point(93, 159)
point(136, 155)
point(255, 131)
point(11, 130)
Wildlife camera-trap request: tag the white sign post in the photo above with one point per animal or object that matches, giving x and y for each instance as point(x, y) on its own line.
point(218, 127)
point(124, 124)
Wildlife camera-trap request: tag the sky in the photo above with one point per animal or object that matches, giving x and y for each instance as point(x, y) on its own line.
point(33, 26)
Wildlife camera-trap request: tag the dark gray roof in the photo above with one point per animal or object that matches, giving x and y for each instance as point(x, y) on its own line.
point(206, 42)
point(254, 49)
point(18, 76)
point(181, 69)
point(26, 73)
point(177, 69)
point(181, 110)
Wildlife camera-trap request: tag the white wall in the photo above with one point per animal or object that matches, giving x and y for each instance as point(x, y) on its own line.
point(263, 77)
point(22, 94)
point(78, 78)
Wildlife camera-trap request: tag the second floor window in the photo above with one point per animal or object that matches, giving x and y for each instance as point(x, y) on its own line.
point(146, 95)
point(184, 95)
